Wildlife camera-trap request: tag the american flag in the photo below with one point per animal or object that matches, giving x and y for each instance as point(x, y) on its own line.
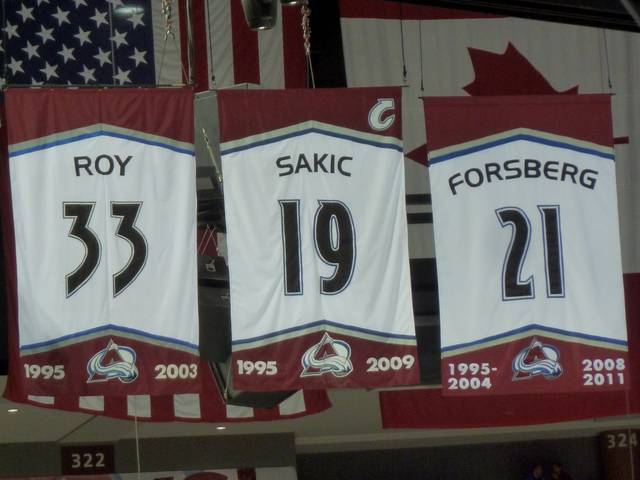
point(83, 42)
point(118, 42)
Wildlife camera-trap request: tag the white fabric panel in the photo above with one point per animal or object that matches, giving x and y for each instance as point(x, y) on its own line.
point(42, 399)
point(221, 58)
point(92, 403)
point(271, 55)
point(292, 405)
point(139, 406)
point(627, 120)
point(624, 64)
point(235, 411)
point(186, 405)
point(167, 57)
point(253, 289)
point(161, 180)
point(470, 277)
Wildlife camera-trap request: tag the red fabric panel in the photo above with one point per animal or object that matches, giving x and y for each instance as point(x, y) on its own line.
point(406, 11)
point(142, 109)
point(8, 246)
point(429, 409)
point(336, 106)
point(212, 408)
point(295, 64)
point(455, 120)
point(246, 61)
point(246, 474)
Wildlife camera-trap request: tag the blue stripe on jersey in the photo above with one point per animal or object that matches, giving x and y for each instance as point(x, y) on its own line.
point(520, 136)
point(267, 141)
point(535, 327)
point(109, 327)
point(84, 136)
point(328, 323)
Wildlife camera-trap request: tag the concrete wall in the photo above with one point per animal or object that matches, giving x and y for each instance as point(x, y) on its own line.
point(508, 461)
point(160, 454)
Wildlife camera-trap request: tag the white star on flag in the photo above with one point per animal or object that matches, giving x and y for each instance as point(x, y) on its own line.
point(122, 76)
point(15, 66)
point(119, 38)
point(25, 13)
point(12, 30)
point(66, 53)
point(103, 56)
point(136, 20)
point(31, 50)
point(138, 56)
point(61, 16)
point(83, 36)
point(49, 70)
point(87, 74)
point(100, 18)
point(45, 34)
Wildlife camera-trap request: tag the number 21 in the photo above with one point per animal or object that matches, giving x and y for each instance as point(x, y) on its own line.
point(513, 287)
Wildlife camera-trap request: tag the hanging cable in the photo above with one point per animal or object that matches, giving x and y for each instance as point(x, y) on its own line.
point(167, 11)
point(135, 423)
point(306, 35)
point(421, 63)
point(606, 58)
point(404, 63)
point(210, 37)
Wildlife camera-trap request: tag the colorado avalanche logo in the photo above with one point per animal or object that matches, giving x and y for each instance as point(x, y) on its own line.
point(376, 122)
point(113, 362)
point(537, 359)
point(327, 356)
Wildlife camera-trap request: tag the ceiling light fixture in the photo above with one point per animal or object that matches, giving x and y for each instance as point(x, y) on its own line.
point(12, 410)
point(220, 427)
point(260, 14)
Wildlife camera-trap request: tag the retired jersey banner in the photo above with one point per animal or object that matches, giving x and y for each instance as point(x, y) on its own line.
point(317, 239)
point(527, 244)
point(104, 209)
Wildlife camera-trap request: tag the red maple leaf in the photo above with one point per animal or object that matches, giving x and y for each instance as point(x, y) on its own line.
point(508, 73)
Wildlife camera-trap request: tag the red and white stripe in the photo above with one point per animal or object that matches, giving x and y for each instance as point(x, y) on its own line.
point(227, 52)
point(186, 407)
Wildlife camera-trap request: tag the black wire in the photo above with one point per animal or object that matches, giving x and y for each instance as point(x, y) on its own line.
point(209, 21)
point(606, 57)
point(404, 63)
point(421, 66)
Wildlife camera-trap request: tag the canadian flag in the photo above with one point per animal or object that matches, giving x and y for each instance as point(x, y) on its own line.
point(436, 52)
